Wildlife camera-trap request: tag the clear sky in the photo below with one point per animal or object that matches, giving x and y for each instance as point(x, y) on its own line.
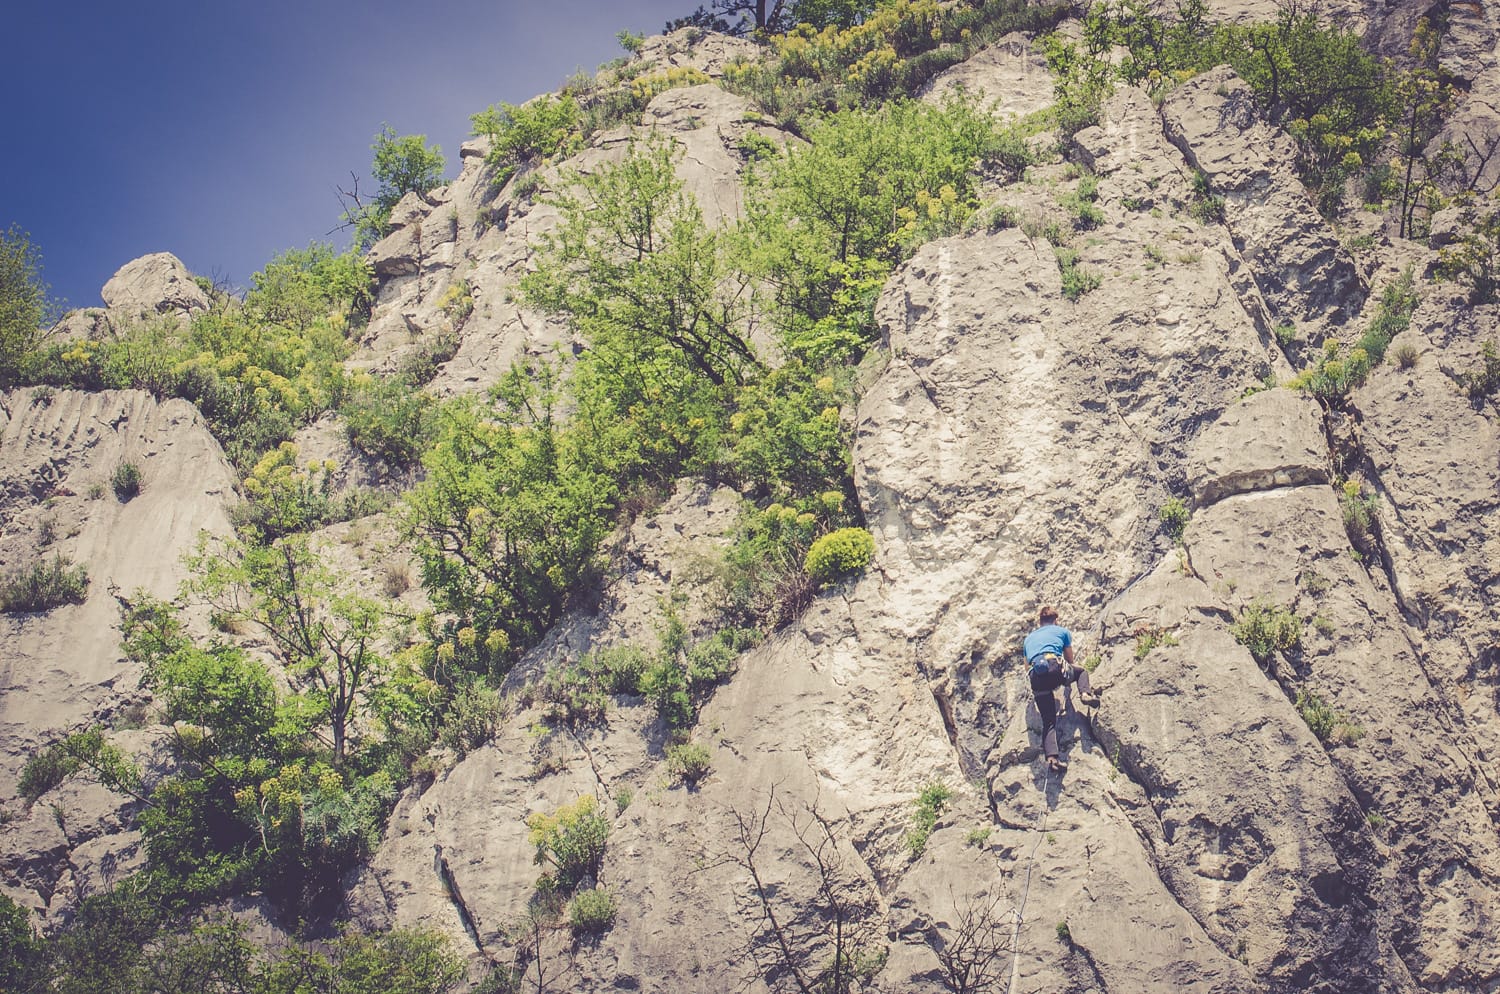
point(218, 130)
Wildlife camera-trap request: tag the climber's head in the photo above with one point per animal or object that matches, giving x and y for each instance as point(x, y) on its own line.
point(1047, 615)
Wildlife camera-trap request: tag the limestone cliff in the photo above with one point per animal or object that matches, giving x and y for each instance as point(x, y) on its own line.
point(1014, 447)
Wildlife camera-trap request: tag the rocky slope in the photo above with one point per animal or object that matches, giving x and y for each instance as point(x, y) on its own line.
point(1013, 448)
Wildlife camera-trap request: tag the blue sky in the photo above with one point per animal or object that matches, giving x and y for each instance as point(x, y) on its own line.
point(218, 129)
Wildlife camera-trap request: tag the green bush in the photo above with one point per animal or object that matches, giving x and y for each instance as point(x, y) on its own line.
point(592, 910)
point(689, 762)
point(839, 554)
point(23, 956)
point(1174, 515)
point(572, 839)
point(44, 586)
point(929, 804)
point(1325, 722)
point(24, 306)
point(1265, 628)
point(526, 134)
point(1361, 514)
point(1076, 281)
point(473, 718)
point(126, 481)
point(1483, 378)
point(403, 164)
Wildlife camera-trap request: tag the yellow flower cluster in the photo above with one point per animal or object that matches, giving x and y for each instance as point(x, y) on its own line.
point(646, 88)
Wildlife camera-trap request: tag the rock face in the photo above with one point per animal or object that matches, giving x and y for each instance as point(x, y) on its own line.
point(151, 285)
point(1314, 815)
point(62, 669)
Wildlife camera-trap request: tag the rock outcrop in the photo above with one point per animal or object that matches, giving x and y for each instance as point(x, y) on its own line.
point(62, 669)
point(153, 284)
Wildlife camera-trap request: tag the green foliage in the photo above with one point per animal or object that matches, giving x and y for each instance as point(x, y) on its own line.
point(325, 639)
point(1174, 516)
point(1483, 378)
point(978, 838)
point(44, 586)
point(1265, 628)
point(508, 519)
point(1392, 316)
point(1082, 204)
point(689, 762)
point(1076, 281)
point(592, 910)
point(843, 54)
point(632, 43)
point(529, 134)
point(838, 554)
point(1361, 514)
point(831, 218)
point(572, 839)
point(302, 288)
point(929, 804)
point(1064, 934)
point(23, 957)
point(256, 371)
point(126, 481)
point(388, 420)
point(403, 164)
point(24, 305)
point(1334, 373)
point(1148, 638)
point(1206, 206)
point(473, 718)
point(283, 498)
point(1475, 258)
point(1325, 722)
point(85, 750)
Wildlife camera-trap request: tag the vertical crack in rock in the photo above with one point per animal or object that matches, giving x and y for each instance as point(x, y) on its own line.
point(450, 886)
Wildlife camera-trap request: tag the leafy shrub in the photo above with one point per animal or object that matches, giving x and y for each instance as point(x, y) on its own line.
point(1150, 637)
point(388, 420)
point(1475, 257)
point(23, 956)
point(1206, 206)
point(403, 164)
point(126, 481)
point(1483, 378)
point(1392, 316)
point(1335, 373)
point(689, 762)
point(1406, 355)
point(572, 839)
point(44, 586)
point(1265, 628)
point(1361, 514)
point(1082, 204)
point(1174, 515)
point(1324, 721)
point(473, 718)
point(839, 554)
point(592, 910)
point(1076, 281)
point(929, 804)
point(539, 130)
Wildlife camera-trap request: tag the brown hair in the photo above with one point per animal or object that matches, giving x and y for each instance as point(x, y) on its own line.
point(1047, 614)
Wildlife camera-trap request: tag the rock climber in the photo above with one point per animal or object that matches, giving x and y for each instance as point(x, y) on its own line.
point(1049, 658)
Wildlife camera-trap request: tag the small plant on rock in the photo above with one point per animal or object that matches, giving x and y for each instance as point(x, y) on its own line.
point(689, 762)
point(571, 839)
point(1361, 514)
point(44, 586)
point(1265, 628)
point(1325, 722)
point(592, 910)
point(1174, 515)
point(838, 554)
point(1151, 637)
point(929, 804)
point(126, 481)
point(1483, 379)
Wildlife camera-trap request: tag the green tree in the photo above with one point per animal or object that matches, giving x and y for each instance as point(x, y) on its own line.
point(23, 957)
point(508, 520)
point(1426, 97)
point(24, 305)
point(403, 164)
point(325, 639)
point(639, 273)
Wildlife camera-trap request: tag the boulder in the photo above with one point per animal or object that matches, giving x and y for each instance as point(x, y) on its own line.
point(153, 284)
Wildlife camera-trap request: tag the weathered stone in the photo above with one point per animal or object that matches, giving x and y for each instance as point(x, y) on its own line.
point(151, 285)
point(1274, 438)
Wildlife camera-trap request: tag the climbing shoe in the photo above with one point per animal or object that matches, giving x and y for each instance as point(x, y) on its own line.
point(1088, 699)
point(1055, 765)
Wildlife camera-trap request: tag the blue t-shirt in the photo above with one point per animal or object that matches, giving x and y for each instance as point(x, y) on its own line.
point(1048, 638)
